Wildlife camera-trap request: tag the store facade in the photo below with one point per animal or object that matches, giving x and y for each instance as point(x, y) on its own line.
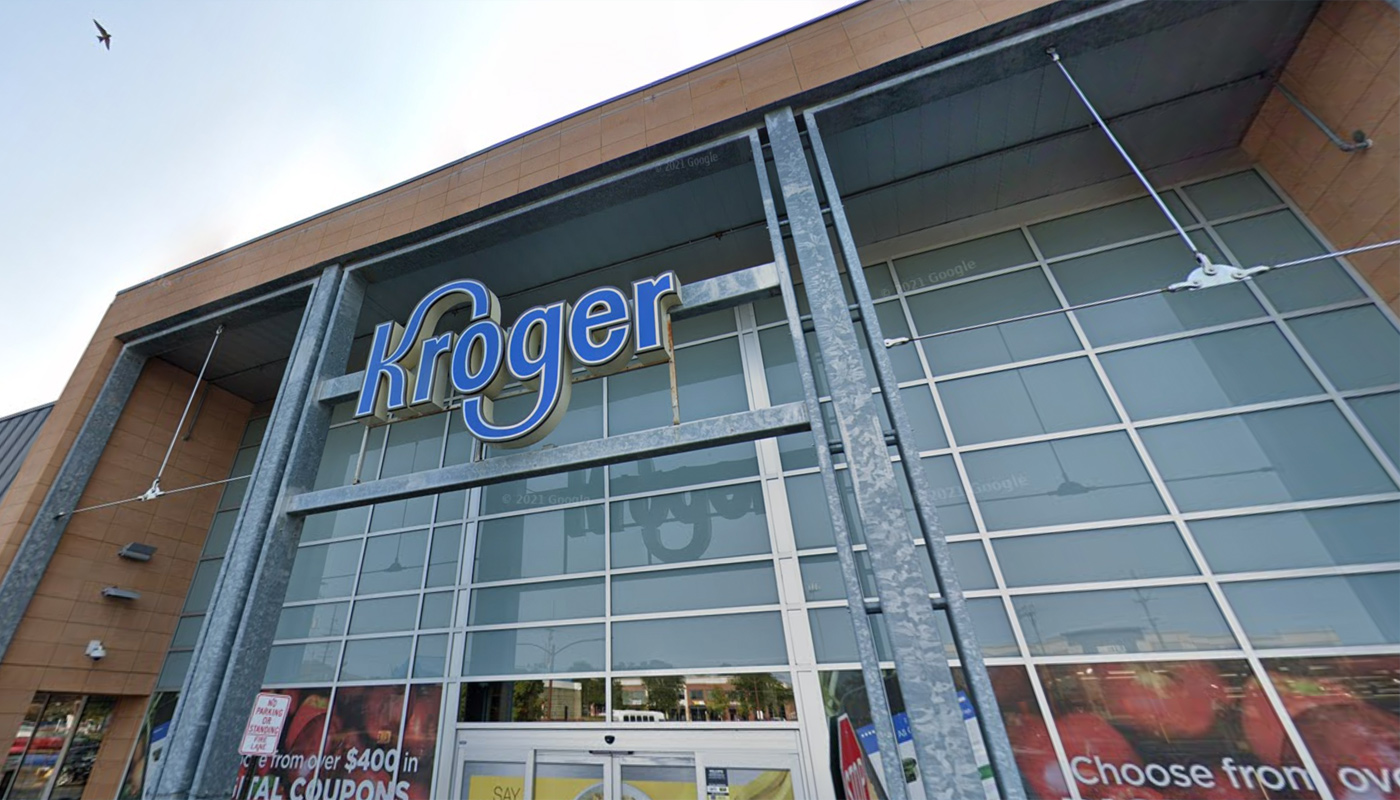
point(495, 529)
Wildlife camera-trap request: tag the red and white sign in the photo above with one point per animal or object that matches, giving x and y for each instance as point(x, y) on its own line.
point(265, 724)
point(853, 775)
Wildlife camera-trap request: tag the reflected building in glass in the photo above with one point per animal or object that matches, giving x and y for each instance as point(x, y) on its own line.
point(920, 372)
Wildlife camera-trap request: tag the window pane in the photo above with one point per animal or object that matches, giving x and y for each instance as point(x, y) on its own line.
point(779, 366)
point(954, 512)
point(575, 648)
point(202, 586)
point(710, 378)
point(705, 326)
point(415, 445)
point(1249, 365)
point(326, 570)
point(1279, 237)
point(877, 278)
point(550, 700)
point(1232, 194)
point(397, 514)
point(1333, 611)
point(1357, 348)
point(244, 461)
point(547, 490)
point(989, 622)
point(728, 640)
point(811, 521)
point(1065, 481)
point(977, 257)
point(535, 545)
point(1281, 455)
point(985, 301)
point(923, 416)
point(1142, 267)
point(302, 663)
point(903, 360)
point(437, 610)
point(1101, 226)
point(187, 631)
point(335, 524)
point(689, 526)
point(220, 532)
point(431, 659)
point(375, 659)
point(1380, 413)
point(342, 454)
point(393, 563)
point(307, 622)
point(384, 614)
point(536, 602)
point(1123, 621)
point(687, 589)
point(172, 673)
point(684, 469)
point(1149, 551)
point(821, 577)
point(970, 562)
point(1047, 398)
point(834, 639)
point(442, 556)
point(253, 434)
point(1322, 537)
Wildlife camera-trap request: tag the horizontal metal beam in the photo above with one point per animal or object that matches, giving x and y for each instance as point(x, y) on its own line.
point(744, 426)
point(701, 297)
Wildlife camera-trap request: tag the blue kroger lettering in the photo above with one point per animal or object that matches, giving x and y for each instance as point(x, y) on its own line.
point(411, 366)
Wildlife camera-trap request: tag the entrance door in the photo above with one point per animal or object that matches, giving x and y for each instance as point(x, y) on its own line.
point(635, 765)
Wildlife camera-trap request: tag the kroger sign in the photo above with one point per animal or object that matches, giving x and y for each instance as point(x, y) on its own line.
point(411, 366)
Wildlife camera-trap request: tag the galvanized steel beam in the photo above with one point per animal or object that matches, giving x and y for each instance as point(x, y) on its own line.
point(979, 683)
point(874, 681)
point(41, 540)
point(211, 713)
point(745, 426)
point(701, 297)
point(943, 749)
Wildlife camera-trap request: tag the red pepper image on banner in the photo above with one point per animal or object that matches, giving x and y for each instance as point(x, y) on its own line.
point(420, 740)
point(1177, 701)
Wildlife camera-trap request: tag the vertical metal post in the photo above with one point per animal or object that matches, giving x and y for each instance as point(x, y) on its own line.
point(216, 651)
point(41, 540)
point(943, 749)
point(979, 683)
point(243, 678)
point(845, 556)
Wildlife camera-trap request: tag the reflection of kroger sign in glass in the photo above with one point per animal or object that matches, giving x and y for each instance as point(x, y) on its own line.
point(411, 366)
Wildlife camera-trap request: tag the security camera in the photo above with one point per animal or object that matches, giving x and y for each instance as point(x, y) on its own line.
point(95, 650)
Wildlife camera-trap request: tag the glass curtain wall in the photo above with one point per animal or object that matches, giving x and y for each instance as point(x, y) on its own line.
point(1174, 497)
point(1157, 506)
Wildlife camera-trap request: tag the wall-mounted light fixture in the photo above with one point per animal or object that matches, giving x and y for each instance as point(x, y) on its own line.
point(135, 551)
point(118, 593)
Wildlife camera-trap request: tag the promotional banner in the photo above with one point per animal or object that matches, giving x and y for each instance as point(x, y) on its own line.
point(1183, 730)
point(363, 755)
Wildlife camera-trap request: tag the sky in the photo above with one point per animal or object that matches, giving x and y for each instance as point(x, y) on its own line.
point(209, 123)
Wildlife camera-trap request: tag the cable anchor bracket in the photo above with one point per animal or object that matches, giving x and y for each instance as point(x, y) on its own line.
point(1209, 275)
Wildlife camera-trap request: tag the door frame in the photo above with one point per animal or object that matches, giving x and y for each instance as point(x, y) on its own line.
point(726, 748)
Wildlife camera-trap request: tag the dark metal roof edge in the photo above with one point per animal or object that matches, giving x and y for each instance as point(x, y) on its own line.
point(44, 407)
point(489, 148)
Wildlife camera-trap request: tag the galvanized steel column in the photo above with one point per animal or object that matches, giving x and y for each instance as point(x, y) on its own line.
point(943, 749)
point(845, 556)
point(41, 540)
point(202, 758)
point(979, 683)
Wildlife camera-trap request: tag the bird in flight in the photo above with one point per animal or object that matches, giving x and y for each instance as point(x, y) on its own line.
point(102, 35)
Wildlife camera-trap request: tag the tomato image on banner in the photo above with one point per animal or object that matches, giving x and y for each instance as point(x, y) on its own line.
point(1175, 730)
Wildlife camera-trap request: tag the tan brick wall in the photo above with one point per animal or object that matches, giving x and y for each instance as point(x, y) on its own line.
point(1347, 70)
point(47, 653)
